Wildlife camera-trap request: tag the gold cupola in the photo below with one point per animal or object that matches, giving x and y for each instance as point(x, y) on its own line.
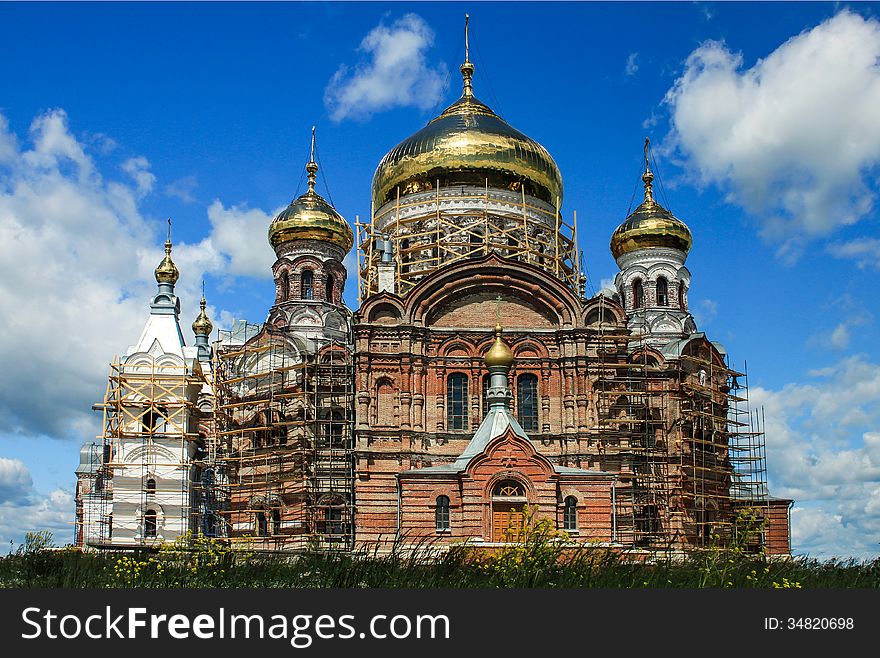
point(499, 354)
point(202, 325)
point(310, 217)
point(650, 225)
point(468, 144)
point(167, 271)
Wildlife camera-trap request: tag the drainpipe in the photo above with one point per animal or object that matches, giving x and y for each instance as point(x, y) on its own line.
point(614, 510)
point(399, 495)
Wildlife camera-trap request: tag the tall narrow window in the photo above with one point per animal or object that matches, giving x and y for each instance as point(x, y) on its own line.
point(150, 523)
point(638, 294)
point(262, 524)
point(285, 287)
point(384, 404)
point(476, 241)
point(328, 292)
point(570, 515)
point(527, 402)
point(456, 402)
point(662, 291)
point(276, 521)
point(486, 380)
point(107, 453)
point(441, 514)
point(307, 284)
point(151, 486)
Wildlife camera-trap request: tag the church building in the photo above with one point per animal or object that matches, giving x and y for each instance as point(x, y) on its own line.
point(475, 389)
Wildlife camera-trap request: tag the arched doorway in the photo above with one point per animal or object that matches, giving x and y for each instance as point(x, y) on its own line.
point(508, 511)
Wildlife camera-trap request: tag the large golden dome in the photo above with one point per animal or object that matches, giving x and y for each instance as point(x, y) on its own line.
point(467, 144)
point(650, 225)
point(310, 217)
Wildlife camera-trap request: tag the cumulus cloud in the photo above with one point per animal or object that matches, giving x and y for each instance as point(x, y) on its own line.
point(15, 481)
point(393, 72)
point(823, 450)
point(53, 512)
point(76, 260)
point(794, 138)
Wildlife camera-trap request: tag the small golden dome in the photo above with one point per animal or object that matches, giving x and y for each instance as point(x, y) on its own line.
point(499, 354)
point(202, 325)
point(167, 271)
point(467, 144)
point(310, 217)
point(650, 225)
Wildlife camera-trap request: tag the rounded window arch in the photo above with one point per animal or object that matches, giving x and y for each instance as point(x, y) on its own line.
point(441, 513)
point(638, 294)
point(307, 284)
point(384, 403)
point(284, 293)
point(150, 486)
point(151, 523)
point(457, 401)
point(329, 287)
point(527, 401)
point(662, 291)
point(569, 516)
point(509, 489)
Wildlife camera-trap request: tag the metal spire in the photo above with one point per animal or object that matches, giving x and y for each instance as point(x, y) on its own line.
point(648, 176)
point(312, 166)
point(467, 69)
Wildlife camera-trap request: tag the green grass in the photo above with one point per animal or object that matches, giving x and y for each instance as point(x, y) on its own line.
point(538, 561)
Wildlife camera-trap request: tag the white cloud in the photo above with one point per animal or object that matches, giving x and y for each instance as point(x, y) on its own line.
point(76, 261)
point(139, 170)
point(15, 480)
point(865, 251)
point(632, 65)
point(394, 72)
point(823, 451)
point(705, 310)
point(793, 138)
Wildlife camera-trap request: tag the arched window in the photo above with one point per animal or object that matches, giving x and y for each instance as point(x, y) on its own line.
point(150, 486)
point(328, 292)
point(638, 294)
point(509, 489)
point(662, 291)
point(262, 524)
point(441, 513)
point(527, 402)
point(476, 240)
point(333, 518)
point(456, 401)
point(570, 515)
point(333, 429)
point(285, 287)
point(276, 521)
point(150, 518)
point(384, 404)
point(307, 285)
point(153, 420)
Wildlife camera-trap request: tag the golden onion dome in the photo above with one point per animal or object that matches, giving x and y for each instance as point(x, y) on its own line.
point(310, 217)
point(650, 225)
point(499, 354)
point(167, 271)
point(202, 325)
point(467, 144)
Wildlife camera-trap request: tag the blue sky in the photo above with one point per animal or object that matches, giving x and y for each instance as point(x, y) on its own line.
point(763, 116)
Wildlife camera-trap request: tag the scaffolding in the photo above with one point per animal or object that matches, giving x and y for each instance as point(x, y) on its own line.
point(279, 475)
point(435, 228)
point(679, 433)
point(143, 469)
